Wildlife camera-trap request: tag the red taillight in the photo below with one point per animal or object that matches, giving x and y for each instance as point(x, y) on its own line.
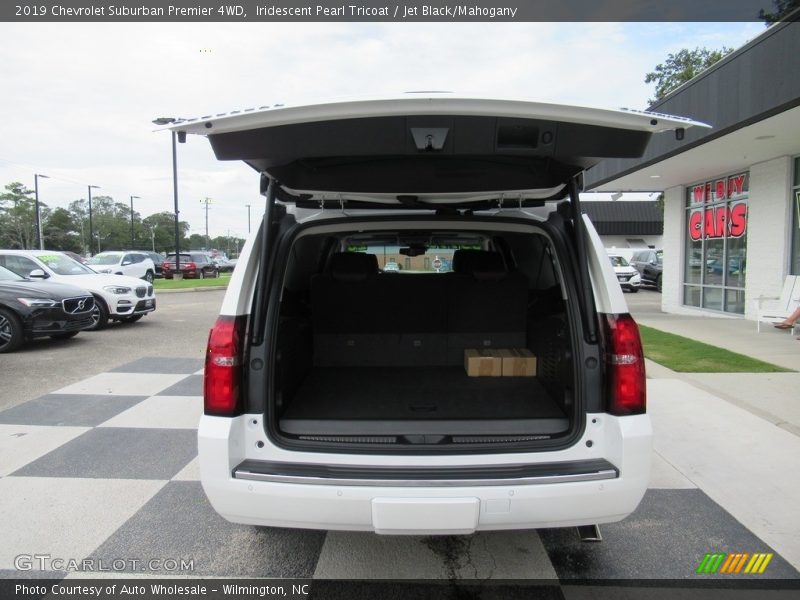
point(223, 373)
point(190, 265)
point(624, 363)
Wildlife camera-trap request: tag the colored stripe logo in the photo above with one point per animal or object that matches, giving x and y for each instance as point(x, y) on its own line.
point(734, 563)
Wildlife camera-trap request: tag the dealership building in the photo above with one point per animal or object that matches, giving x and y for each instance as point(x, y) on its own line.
point(731, 193)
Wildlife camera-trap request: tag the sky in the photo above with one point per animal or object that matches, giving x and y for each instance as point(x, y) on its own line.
point(78, 98)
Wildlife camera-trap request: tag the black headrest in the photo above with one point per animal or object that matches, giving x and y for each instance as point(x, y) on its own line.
point(481, 264)
point(353, 266)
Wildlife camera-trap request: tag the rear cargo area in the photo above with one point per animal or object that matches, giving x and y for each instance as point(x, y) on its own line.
point(419, 400)
point(379, 357)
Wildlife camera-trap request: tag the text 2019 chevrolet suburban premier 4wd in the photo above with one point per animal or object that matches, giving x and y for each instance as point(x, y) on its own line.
point(336, 395)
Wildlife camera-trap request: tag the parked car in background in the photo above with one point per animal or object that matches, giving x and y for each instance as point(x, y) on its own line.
point(158, 260)
point(223, 264)
point(117, 297)
point(736, 265)
point(193, 265)
point(650, 265)
point(391, 267)
point(628, 277)
point(33, 309)
point(133, 264)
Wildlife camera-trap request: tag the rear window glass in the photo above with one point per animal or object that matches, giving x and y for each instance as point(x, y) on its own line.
point(111, 258)
point(431, 259)
point(618, 261)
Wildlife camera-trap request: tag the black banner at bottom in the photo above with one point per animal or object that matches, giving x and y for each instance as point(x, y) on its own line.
point(302, 589)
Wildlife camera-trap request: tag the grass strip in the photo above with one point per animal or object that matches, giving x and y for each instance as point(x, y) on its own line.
point(174, 284)
point(688, 356)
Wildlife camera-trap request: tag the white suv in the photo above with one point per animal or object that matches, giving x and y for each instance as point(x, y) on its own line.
point(336, 395)
point(133, 264)
point(117, 297)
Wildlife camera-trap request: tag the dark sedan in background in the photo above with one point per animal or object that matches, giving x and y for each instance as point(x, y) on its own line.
point(158, 260)
point(650, 264)
point(32, 309)
point(224, 265)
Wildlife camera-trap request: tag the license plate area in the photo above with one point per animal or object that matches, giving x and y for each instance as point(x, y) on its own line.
point(421, 516)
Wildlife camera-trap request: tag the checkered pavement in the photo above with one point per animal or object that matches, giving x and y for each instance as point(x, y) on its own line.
point(107, 468)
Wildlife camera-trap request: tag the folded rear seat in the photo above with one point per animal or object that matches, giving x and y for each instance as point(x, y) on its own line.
point(487, 304)
point(344, 307)
point(362, 317)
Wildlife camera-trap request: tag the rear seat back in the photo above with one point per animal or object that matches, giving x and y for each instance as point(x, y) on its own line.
point(343, 298)
point(487, 304)
point(362, 317)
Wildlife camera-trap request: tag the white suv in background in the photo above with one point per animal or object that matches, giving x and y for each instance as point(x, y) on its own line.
point(337, 396)
point(628, 277)
point(133, 264)
point(117, 297)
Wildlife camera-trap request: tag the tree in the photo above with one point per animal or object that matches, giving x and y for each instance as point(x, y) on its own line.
point(79, 213)
point(197, 242)
point(159, 229)
point(228, 244)
point(61, 231)
point(681, 67)
point(18, 217)
point(111, 224)
point(782, 9)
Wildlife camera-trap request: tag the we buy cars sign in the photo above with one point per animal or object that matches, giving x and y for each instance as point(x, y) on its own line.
point(727, 219)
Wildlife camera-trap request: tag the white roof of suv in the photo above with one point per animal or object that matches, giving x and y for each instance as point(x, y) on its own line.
point(433, 103)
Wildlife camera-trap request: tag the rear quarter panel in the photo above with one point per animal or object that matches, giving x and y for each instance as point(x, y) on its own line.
point(239, 296)
point(608, 296)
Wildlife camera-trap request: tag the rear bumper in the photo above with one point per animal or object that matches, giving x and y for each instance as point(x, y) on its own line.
point(418, 507)
point(187, 273)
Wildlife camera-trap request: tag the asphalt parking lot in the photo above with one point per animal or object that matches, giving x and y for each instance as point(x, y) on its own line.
point(178, 328)
point(98, 460)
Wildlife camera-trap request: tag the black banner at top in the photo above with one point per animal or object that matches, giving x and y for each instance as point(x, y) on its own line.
point(401, 11)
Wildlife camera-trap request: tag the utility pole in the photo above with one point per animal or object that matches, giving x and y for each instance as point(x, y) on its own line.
point(208, 241)
point(248, 217)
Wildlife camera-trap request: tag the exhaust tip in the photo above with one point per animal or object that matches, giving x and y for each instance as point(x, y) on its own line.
point(589, 533)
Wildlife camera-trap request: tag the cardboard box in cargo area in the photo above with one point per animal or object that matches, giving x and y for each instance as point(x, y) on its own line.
point(483, 363)
point(518, 362)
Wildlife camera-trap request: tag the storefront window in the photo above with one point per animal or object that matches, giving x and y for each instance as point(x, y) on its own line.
point(795, 199)
point(716, 243)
